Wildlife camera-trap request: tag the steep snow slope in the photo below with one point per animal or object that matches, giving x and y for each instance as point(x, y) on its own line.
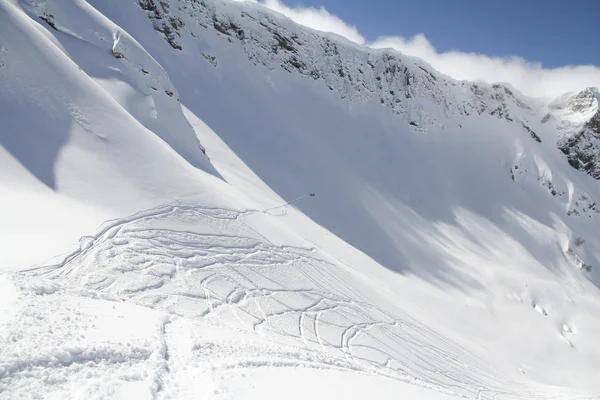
point(65, 119)
point(452, 239)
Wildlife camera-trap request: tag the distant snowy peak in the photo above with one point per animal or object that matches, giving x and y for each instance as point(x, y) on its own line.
point(580, 105)
point(578, 122)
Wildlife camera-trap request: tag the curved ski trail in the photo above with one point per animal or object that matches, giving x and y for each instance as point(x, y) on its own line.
point(208, 265)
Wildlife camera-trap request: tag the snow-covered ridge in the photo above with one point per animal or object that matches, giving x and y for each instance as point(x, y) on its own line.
point(408, 86)
point(404, 84)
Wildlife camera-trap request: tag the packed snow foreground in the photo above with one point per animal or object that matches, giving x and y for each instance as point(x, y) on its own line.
point(452, 247)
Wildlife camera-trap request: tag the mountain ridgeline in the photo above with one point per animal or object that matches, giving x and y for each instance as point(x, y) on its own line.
point(396, 81)
point(425, 98)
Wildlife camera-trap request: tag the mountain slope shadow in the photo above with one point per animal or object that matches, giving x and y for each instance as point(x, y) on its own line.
point(34, 142)
point(35, 118)
point(380, 186)
point(133, 79)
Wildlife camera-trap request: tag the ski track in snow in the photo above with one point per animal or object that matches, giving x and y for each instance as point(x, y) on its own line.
point(175, 260)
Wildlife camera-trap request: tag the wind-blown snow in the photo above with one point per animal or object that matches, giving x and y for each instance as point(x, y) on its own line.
point(450, 248)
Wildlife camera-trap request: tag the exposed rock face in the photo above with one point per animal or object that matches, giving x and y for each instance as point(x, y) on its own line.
point(169, 26)
point(582, 144)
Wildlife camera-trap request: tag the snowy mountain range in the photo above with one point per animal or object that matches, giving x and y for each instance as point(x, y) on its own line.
point(148, 152)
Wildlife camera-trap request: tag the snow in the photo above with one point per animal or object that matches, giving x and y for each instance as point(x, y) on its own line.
point(438, 259)
point(271, 306)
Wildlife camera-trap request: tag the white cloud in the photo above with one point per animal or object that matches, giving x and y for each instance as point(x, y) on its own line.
point(530, 78)
point(316, 18)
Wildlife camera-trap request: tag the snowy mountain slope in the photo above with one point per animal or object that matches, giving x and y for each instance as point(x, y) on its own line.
point(522, 151)
point(450, 253)
point(425, 100)
point(408, 86)
point(64, 133)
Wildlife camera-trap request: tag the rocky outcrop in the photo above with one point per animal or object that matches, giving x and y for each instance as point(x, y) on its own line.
point(163, 22)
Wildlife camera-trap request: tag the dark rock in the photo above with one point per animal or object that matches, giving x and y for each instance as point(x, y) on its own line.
point(49, 19)
point(532, 133)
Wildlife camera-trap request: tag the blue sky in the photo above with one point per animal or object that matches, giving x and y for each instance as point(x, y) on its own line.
point(552, 32)
point(544, 48)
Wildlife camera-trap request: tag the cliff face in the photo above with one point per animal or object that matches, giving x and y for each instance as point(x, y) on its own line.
point(581, 132)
